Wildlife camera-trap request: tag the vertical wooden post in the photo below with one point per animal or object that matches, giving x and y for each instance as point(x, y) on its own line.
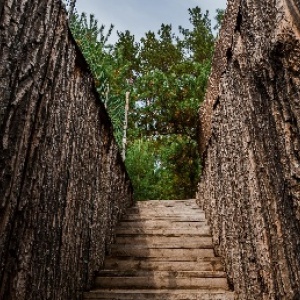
point(124, 140)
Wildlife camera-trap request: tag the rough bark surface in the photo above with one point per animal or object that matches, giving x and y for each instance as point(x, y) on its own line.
point(250, 141)
point(63, 184)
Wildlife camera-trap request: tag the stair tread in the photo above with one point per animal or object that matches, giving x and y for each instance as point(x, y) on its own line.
point(175, 201)
point(173, 217)
point(161, 282)
point(179, 245)
point(171, 274)
point(160, 291)
point(160, 294)
point(169, 253)
point(150, 240)
point(162, 223)
point(202, 264)
point(205, 231)
point(165, 258)
point(165, 209)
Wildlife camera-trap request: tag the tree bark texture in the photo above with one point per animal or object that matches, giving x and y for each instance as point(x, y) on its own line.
point(250, 142)
point(63, 184)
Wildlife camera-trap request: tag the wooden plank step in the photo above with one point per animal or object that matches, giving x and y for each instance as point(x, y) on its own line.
point(146, 246)
point(170, 259)
point(165, 210)
point(175, 217)
point(169, 253)
point(203, 231)
point(161, 294)
point(129, 263)
point(162, 224)
point(162, 239)
point(159, 215)
point(158, 282)
point(166, 203)
point(137, 242)
point(162, 274)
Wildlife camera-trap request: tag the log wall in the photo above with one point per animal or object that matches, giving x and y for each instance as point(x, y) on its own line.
point(63, 184)
point(250, 142)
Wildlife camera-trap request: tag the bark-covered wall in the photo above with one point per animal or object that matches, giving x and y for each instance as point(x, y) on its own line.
point(250, 141)
point(63, 184)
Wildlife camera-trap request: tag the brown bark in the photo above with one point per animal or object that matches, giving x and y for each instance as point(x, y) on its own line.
point(250, 141)
point(63, 184)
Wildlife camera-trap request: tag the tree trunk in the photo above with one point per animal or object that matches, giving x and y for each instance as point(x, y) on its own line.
point(63, 184)
point(250, 142)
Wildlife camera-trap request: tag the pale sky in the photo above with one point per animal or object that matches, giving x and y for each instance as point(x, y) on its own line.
point(140, 16)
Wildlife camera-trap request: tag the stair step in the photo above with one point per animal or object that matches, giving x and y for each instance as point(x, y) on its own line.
point(151, 203)
point(161, 294)
point(166, 241)
point(161, 204)
point(203, 231)
point(129, 263)
point(162, 224)
point(164, 210)
point(153, 280)
point(162, 274)
point(181, 245)
point(202, 243)
point(175, 217)
point(163, 259)
point(167, 253)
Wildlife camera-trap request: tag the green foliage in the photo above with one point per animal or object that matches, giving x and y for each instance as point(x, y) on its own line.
point(164, 168)
point(219, 18)
point(107, 64)
point(199, 41)
point(141, 164)
point(166, 76)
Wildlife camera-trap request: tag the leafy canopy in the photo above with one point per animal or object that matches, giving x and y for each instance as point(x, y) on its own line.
point(165, 75)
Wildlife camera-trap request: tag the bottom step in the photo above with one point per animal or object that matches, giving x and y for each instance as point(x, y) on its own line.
point(162, 294)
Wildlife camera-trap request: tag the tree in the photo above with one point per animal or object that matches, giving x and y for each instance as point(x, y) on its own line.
point(142, 162)
point(92, 41)
point(219, 18)
point(126, 64)
point(199, 42)
point(250, 141)
point(108, 65)
point(164, 77)
point(169, 89)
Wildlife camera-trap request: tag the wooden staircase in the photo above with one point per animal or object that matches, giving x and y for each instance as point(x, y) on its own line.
point(163, 251)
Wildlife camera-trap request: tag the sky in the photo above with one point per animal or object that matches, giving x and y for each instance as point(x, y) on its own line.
point(140, 16)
